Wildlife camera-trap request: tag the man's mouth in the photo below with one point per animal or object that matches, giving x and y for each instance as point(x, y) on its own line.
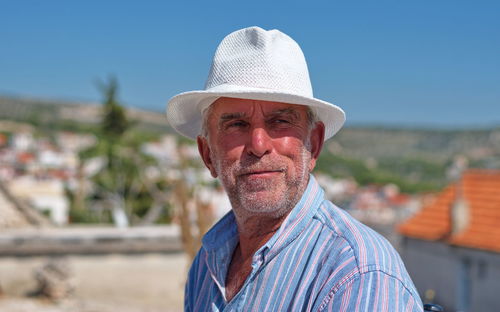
point(261, 173)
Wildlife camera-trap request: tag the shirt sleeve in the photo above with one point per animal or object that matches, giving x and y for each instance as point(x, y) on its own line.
point(372, 291)
point(191, 287)
point(187, 305)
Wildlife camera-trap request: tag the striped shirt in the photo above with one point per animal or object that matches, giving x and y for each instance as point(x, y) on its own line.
point(321, 259)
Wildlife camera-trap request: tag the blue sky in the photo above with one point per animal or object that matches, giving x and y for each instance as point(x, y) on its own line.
point(413, 63)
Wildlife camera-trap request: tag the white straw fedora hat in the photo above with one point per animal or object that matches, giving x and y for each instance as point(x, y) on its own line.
point(255, 64)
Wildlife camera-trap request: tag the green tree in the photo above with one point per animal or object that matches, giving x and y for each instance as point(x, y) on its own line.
point(114, 123)
point(121, 191)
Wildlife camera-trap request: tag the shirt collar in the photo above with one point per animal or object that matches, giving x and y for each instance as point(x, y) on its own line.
point(219, 243)
point(224, 232)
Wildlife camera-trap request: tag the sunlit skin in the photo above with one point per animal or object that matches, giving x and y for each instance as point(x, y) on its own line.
point(262, 152)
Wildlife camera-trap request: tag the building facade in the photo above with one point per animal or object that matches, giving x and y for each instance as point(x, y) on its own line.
point(452, 246)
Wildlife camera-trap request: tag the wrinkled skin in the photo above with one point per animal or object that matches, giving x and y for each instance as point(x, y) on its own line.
point(262, 152)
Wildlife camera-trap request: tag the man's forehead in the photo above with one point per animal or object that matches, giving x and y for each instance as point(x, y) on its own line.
point(226, 105)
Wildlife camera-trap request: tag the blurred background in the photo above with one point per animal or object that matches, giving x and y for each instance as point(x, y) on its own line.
point(102, 205)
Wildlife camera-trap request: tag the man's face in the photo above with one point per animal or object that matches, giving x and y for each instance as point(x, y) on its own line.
point(262, 152)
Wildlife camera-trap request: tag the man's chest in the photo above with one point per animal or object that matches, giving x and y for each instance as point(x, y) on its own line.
point(238, 273)
point(272, 288)
point(295, 280)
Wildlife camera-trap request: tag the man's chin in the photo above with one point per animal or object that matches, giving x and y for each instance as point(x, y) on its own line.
point(260, 185)
point(269, 191)
point(264, 202)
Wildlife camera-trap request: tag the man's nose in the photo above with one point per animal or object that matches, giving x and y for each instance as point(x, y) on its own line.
point(260, 142)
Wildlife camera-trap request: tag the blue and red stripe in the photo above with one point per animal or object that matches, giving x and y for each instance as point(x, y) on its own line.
point(321, 259)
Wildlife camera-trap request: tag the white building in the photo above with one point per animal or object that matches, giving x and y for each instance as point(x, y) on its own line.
point(45, 195)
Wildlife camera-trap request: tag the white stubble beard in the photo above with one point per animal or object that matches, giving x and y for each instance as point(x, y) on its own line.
point(250, 202)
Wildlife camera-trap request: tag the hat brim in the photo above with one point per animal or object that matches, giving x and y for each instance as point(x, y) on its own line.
point(184, 111)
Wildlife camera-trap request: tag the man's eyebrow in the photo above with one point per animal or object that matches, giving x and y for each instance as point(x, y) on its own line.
point(285, 111)
point(230, 116)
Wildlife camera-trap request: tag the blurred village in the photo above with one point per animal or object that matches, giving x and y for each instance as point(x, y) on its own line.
point(72, 202)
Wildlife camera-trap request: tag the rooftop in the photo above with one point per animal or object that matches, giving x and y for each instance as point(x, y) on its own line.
point(480, 189)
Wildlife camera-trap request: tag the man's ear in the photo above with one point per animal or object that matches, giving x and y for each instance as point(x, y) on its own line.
point(204, 150)
point(317, 138)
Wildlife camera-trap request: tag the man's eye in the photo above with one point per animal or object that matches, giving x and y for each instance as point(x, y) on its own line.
point(280, 121)
point(237, 124)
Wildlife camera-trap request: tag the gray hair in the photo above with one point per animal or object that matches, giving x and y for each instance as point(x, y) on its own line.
point(312, 119)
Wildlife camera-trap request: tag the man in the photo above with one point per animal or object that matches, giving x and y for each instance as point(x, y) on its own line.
point(283, 247)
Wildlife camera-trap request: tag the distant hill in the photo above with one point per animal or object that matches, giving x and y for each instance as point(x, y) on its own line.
point(41, 111)
point(429, 144)
point(415, 159)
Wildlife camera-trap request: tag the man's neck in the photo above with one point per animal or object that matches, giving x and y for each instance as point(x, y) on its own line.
point(254, 232)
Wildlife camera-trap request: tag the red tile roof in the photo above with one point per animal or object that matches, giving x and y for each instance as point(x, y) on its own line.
point(481, 192)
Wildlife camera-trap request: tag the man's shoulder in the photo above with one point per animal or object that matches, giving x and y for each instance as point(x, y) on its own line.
point(370, 250)
point(366, 260)
point(342, 224)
